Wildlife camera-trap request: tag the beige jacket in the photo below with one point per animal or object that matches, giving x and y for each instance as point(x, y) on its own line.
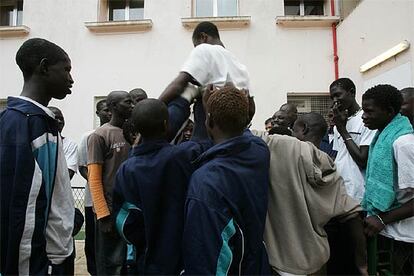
point(306, 191)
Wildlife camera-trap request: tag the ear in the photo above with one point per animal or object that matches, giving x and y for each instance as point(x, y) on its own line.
point(391, 112)
point(44, 66)
point(209, 121)
point(305, 129)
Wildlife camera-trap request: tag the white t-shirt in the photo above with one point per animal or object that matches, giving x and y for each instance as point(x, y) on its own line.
point(403, 230)
point(354, 177)
point(83, 161)
point(214, 64)
point(70, 148)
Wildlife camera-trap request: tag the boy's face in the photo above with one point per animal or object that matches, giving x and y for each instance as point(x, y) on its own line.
point(59, 79)
point(374, 116)
point(104, 114)
point(124, 106)
point(341, 98)
point(280, 119)
point(407, 107)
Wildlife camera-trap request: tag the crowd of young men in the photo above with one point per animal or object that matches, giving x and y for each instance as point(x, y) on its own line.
point(228, 200)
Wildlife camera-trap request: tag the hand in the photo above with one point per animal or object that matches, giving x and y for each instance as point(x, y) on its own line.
point(372, 226)
point(363, 270)
point(340, 117)
point(106, 224)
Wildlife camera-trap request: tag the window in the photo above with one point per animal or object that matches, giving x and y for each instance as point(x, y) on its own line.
point(3, 104)
point(311, 102)
point(304, 7)
point(120, 10)
point(211, 8)
point(11, 12)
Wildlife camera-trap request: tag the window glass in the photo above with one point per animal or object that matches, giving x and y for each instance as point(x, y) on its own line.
point(6, 14)
point(136, 9)
point(226, 7)
point(292, 7)
point(313, 7)
point(204, 8)
point(19, 13)
point(117, 10)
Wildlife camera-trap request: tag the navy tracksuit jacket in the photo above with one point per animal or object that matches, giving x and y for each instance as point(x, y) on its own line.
point(225, 210)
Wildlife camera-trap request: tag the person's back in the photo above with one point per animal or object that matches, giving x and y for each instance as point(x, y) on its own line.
point(227, 197)
point(150, 192)
point(37, 208)
point(222, 66)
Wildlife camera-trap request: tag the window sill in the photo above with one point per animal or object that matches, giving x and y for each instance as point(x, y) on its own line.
point(14, 31)
point(224, 22)
point(292, 21)
point(130, 26)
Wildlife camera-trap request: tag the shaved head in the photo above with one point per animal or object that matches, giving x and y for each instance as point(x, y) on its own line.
point(150, 118)
point(138, 94)
point(310, 126)
point(291, 112)
point(115, 97)
point(120, 104)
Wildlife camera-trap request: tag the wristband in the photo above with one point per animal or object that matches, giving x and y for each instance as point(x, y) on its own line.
point(380, 219)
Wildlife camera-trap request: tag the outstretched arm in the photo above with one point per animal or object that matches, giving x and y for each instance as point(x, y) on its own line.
point(177, 86)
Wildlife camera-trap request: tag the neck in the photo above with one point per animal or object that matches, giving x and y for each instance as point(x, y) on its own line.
point(154, 138)
point(222, 137)
point(33, 90)
point(353, 109)
point(117, 120)
point(314, 140)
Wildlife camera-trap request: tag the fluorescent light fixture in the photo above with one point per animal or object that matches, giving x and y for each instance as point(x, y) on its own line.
point(401, 47)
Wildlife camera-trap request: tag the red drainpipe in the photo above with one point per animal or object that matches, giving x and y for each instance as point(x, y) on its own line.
point(335, 42)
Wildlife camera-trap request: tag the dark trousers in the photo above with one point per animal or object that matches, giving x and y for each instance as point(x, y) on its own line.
point(110, 252)
point(67, 267)
point(402, 255)
point(90, 240)
point(342, 254)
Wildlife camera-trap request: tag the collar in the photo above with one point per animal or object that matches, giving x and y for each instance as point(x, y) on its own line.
point(150, 146)
point(229, 147)
point(44, 108)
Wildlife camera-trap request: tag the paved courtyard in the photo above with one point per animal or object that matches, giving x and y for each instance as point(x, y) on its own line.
point(80, 261)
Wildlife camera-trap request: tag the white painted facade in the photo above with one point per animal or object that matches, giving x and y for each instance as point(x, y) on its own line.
point(371, 29)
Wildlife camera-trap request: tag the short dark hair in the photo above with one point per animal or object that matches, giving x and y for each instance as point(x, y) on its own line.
point(207, 28)
point(345, 83)
point(33, 51)
point(228, 107)
point(99, 104)
point(149, 116)
point(315, 122)
point(386, 96)
point(139, 92)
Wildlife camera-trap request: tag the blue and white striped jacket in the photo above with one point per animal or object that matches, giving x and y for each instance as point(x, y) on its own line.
point(37, 208)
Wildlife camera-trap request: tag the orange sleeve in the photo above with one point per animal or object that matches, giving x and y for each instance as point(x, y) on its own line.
point(96, 187)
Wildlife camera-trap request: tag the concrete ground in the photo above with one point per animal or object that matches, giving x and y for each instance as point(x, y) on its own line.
point(80, 261)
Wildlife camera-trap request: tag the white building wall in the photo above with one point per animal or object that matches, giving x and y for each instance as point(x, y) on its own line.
point(371, 29)
point(280, 60)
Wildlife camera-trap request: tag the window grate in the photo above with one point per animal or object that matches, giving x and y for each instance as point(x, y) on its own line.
point(306, 103)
